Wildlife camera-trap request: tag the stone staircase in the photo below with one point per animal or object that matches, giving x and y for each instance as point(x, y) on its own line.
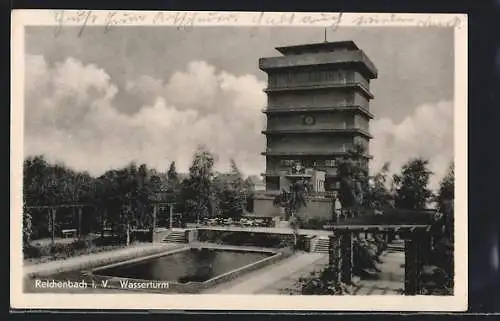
point(320, 245)
point(396, 246)
point(175, 237)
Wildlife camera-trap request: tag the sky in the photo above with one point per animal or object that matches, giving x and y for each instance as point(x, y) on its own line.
point(154, 94)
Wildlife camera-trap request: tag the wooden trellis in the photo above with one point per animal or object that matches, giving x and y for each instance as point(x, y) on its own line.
point(53, 213)
point(415, 230)
point(163, 205)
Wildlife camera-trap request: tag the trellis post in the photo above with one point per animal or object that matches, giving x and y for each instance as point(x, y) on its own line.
point(53, 224)
point(79, 222)
point(170, 220)
point(413, 263)
point(347, 256)
point(154, 223)
point(340, 254)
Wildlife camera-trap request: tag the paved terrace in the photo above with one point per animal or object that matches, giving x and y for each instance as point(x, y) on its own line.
point(281, 277)
point(258, 281)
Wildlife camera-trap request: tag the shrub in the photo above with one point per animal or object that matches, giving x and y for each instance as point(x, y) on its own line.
point(322, 283)
point(27, 227)
point(64, 250)
point(32, 252)
point(366, 253)
point(436, 281)
point(314, 223)
point(110, 240)
point(141, 236)
point(57, 250)
point(81, 244)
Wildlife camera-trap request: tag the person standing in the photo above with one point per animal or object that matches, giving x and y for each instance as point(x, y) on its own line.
point(336, 207)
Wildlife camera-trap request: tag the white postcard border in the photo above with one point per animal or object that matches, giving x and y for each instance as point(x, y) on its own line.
point(107, 19)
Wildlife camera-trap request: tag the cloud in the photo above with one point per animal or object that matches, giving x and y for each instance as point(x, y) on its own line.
point(72, 115)
point(427, 133)
point(61, 96)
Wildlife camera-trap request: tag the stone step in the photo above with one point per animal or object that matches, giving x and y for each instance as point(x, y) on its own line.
point(322, 245)
point(173, 241)
point(175, 237)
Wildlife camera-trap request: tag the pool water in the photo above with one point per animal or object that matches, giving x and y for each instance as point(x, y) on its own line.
point(193, 265)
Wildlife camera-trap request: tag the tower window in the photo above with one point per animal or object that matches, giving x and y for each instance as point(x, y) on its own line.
point(319, 163)
point(287, 162)
point(330, 163)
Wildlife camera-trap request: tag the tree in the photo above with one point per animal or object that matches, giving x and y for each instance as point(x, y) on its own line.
point(52, 184)
point(249, 191)
point(120, 194)
point(229, 190)
point(357, 194)
point(145, 191)
point(197, 191)
point(379, 196)
point(27, 227)
point(293, 200)
point(35, 170)
point(128, 194)
point(411, 186)
point(438, 278)
point(172, 172)
point(445, 200)
point(446, 192)
point(353, 175)
point(173, 178)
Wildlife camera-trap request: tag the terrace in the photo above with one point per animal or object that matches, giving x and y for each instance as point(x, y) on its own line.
point(256, 247)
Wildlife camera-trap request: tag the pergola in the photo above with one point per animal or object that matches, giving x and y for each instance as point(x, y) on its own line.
point(162, 205)
point(53, 212)
point(413, 227)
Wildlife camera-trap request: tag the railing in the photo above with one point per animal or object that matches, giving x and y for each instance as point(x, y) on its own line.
point(313, 86)
point(287, 109)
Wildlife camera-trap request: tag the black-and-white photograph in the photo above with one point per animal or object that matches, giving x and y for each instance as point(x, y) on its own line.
point(270, 159)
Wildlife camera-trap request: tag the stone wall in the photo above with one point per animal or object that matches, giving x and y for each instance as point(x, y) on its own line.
point(316, 207)
point(263, 206)
point(245, 238)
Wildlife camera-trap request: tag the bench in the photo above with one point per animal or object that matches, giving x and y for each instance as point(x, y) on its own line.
point(69, 233)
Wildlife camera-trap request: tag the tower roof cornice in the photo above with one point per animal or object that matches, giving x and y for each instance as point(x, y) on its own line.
point(307, 60)
point(327, 46)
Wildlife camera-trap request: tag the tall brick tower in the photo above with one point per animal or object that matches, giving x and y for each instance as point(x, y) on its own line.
point(318, 107)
